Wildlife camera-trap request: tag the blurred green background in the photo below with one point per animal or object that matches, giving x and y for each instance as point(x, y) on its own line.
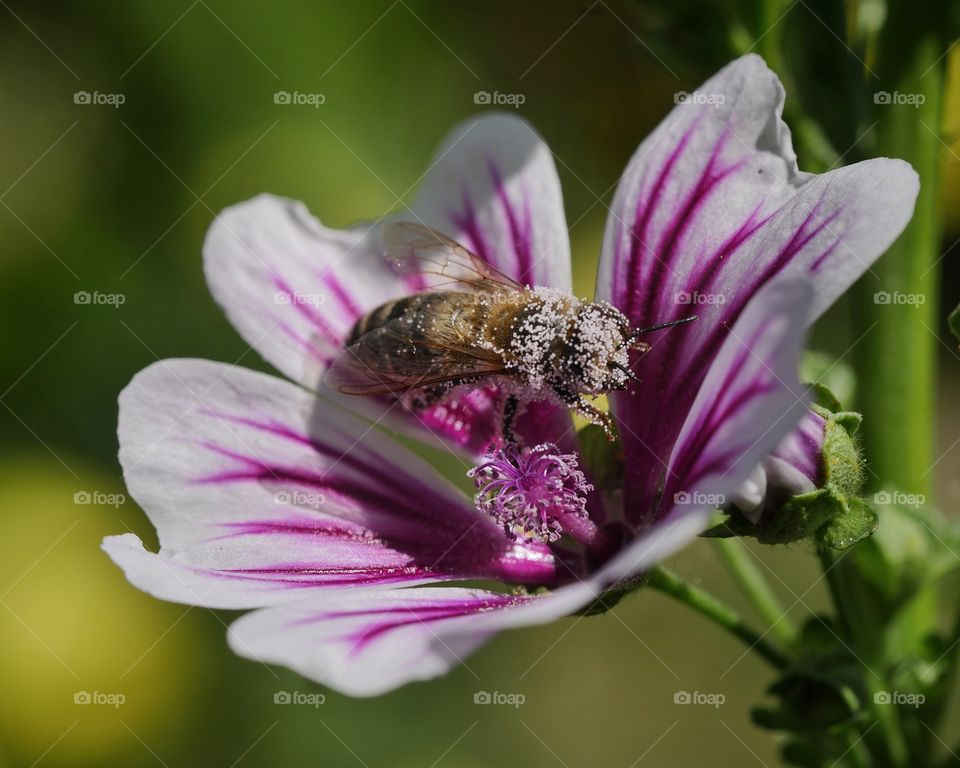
point(117, 200)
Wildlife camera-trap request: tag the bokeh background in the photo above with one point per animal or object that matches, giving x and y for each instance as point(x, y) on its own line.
point(117, 198)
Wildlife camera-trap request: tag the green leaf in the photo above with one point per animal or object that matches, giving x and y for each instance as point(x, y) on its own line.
point(817, 699)
point(913, 546)
point(954, 321)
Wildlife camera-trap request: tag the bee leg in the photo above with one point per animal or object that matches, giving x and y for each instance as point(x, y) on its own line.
point(585, 408)
point(510, 407)
point(596, 416)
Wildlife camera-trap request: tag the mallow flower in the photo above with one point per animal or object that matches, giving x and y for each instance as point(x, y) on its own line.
point(291, 499)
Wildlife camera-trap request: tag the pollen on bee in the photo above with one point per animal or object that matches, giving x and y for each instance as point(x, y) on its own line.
point(554, 337)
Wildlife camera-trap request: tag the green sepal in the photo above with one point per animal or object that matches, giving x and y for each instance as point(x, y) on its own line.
point(855, 523)
point(840, 457)
point(824, 398)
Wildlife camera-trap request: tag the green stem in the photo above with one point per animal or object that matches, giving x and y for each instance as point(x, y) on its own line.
point(771, 29)
point(858, 756)
point(896, 355)
point(897, 351)
point(707, 605)
point(756, 589)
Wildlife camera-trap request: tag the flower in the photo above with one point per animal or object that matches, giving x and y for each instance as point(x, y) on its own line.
point(285, 498)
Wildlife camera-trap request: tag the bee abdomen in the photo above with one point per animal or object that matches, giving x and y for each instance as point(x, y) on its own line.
point(378, 317)
point(381, 316)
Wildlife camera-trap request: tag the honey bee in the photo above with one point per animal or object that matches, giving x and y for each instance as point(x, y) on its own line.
point(538, 343)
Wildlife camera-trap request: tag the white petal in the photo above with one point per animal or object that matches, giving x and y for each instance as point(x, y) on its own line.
point(261, 492)
point(368, 643)
point(493, 187)
point(292, 287)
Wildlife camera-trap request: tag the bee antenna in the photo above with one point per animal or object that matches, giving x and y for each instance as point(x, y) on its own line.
point(661, 326)
point(637, 332)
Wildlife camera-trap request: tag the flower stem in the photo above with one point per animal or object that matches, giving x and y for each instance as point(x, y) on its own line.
point(756, 589)
point(897, 351)
point(896, 354)
point(701, 601)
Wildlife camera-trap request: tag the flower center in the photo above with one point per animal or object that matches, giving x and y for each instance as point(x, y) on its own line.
point(535, 493)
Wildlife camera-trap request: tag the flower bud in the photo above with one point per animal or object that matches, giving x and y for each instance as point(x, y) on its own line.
point(806, 488)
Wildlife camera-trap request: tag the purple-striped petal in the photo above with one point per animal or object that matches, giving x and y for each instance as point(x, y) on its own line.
point(370, 642)
point(749, 401)
point(260, 491)
point(493, 187)
point(712, 207)
point(292, 287)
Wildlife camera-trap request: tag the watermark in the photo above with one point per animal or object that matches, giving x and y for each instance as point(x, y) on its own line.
point(896, 98)
point(297, 298)
point(696, 97)
point(498, 99)
point(915, 500)
point(686, 297)
point(899, 298)
point(715, 700)
point(99, 499)
point(515, 700)
point(98, 99)
point(298, 99)
point(299, 498)
point(700, 499)
point(314, 700)
point(115, 300)
point(915, 700)
point(100, 698)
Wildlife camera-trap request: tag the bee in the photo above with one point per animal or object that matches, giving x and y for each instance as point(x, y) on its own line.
point(538, 343)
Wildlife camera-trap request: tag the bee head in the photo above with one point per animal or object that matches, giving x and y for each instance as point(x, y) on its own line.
point(597, 349)
point(600, 347)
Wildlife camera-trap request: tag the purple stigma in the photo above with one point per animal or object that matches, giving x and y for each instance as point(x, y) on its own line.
point(535, 493)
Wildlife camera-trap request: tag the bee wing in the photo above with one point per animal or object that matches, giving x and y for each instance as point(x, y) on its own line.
point(397, 357)
point(422, 249)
